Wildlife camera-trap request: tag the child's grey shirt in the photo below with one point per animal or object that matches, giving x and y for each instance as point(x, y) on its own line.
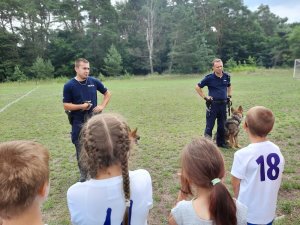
point(184, 214)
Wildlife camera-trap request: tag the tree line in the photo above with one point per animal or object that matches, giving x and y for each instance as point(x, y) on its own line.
point(42, 38)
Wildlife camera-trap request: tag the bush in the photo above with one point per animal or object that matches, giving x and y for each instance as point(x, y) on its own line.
point(231, 64)
point(127, 76)
point(251, 61)
point(101, 77)
point(113, 62)
point(249, 65)
point(61, 79)
point(18, 75)
point(42, 69)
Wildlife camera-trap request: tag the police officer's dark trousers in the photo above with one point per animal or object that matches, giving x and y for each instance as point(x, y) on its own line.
point(76, 128)
point(216, 111)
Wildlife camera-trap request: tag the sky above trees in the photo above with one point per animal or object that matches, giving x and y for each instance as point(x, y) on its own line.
point(282, 8)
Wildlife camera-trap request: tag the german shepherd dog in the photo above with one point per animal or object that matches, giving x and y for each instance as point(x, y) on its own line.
point(232, 127)
point(134, 136)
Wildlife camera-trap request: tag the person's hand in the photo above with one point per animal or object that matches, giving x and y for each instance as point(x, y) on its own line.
point(208, 101)
point(98, 109)
point(86, 106)
point(208, 98)
point(229, 99)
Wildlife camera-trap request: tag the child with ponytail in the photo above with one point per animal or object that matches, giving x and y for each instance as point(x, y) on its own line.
point(114, 195)
point(202, 171)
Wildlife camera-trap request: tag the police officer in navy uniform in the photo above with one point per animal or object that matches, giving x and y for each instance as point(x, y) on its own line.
point(80, 101)
point(219, 91)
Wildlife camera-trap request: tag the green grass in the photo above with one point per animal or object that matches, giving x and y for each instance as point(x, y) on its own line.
point(168, 114)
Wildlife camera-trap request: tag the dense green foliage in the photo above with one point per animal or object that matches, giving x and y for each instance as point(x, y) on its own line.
point(150, 35)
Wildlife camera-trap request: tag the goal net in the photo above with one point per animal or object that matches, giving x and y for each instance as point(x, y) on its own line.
point(297, 69)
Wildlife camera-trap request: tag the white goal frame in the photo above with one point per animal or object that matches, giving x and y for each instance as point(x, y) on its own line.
point(297, 69)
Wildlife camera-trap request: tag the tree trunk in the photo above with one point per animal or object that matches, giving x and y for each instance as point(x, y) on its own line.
point(149, 34)
point(171, 56)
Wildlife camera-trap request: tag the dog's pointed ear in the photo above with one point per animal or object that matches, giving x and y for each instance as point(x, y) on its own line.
point(134, 132)
point(134, 136)
point(240, 108)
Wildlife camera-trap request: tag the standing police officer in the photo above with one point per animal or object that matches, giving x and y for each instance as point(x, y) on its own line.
point(219, 90)
point(80, 101)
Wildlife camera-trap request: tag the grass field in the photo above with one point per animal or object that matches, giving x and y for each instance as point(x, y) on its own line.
point(168, 114)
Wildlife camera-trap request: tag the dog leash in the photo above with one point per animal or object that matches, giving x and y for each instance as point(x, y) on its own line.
point(229, 104)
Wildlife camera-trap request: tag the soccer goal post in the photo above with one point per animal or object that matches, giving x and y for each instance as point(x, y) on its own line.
point(297, 69)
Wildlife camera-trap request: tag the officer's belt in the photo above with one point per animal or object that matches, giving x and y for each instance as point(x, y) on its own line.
point(219, 101)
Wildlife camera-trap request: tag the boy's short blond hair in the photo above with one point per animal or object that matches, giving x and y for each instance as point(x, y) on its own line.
point(24, 170)
point(260, 121)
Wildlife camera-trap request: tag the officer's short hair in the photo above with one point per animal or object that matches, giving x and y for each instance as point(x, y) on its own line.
point(216, 60)
point(79, 60)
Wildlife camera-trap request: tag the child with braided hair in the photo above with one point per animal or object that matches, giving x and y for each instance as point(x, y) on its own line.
point(114, 195)
point(201, 178)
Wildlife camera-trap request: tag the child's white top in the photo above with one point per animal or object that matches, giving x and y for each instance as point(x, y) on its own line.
point(98, 202)
point(185, 214)
point(259, 166)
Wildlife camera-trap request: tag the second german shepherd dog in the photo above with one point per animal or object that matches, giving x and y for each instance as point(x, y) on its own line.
point(232, 127)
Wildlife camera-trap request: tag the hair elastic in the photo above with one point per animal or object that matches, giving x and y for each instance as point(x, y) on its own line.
point(127, 203)
point(215, 181)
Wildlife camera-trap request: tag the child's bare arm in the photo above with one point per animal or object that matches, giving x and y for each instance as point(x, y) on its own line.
point(235, 182)
point(171, 220)
point(182, 195)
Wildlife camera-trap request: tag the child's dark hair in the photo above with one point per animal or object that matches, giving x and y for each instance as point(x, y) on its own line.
point(201, 163)
point(105, 142)
point(260, 121)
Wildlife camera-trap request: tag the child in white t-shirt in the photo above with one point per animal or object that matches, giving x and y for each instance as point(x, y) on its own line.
point(257, 169)
point(113, 195)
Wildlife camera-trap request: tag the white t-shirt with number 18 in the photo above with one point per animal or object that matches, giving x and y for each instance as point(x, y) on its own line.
point(259, 166)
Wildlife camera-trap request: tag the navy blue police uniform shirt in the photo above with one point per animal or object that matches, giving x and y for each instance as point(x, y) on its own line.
point(79, 92)
point(217, 86)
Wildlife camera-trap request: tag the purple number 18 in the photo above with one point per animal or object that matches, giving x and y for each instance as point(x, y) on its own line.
point(273, 161)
